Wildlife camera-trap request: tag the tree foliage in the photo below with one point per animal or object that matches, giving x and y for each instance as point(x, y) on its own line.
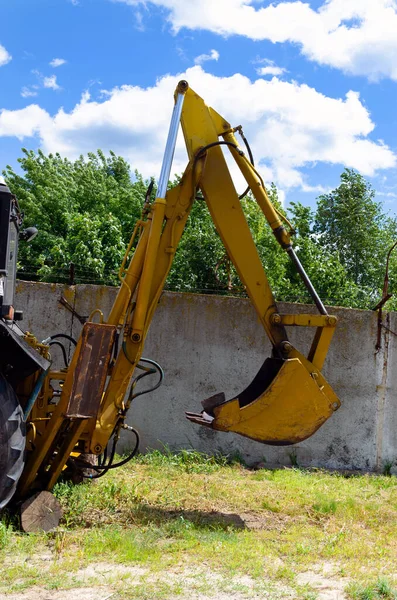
point(352, 224)
point(201, 262)
point(86, 209)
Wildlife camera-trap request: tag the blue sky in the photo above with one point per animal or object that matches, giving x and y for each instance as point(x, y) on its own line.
point(313, 84)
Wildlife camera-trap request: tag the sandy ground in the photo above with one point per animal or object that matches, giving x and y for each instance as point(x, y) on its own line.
point(98, 582)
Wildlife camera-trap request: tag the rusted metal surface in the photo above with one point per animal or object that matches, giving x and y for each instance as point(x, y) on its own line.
point(72, 434)
point(91, 370)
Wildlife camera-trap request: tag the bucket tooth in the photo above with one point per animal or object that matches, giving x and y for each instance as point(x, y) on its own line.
point(200, 418)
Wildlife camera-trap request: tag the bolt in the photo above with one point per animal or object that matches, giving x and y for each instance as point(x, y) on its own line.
point(98, 449)
point(331, 320)
point(136, 337)
point(335, 406)
point(286, 347)
point(276, 319)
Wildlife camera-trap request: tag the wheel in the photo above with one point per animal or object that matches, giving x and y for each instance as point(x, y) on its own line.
point(12, 442)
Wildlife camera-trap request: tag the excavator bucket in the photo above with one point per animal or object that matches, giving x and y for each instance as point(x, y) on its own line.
point(286, 403)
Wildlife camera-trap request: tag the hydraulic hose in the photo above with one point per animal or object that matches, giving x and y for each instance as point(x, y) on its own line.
point(60, 335)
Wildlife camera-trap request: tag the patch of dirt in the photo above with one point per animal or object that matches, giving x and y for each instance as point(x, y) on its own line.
point(264, 521)
point(100, 593)
point(89, 593)
point(324, 581)
point(100, 581)
point(104, 572)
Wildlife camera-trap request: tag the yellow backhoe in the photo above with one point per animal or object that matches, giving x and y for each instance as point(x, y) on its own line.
point(50, 419)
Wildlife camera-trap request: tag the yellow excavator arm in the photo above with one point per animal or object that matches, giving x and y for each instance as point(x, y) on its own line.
point(288, 400)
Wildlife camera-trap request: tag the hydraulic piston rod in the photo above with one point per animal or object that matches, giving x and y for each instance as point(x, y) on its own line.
point(157, 219)
point(171, 140)
point(305, 278)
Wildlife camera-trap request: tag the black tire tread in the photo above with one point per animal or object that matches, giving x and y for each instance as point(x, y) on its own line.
point(12, 441)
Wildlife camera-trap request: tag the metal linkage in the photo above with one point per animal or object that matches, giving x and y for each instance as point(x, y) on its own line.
point(306, 281)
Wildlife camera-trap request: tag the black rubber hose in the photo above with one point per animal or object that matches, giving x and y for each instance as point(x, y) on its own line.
point(64, 335)
point(102, 470)
point(251, 160)
point(60, 335)
point(151, 362)
point(132, 454)
point(103, 457)
point(203, 150)
point(248, 148)
point(65, 358)
point(160, 371)
point(224, 143)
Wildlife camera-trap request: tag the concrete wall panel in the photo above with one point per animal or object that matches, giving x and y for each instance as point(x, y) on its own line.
point(208, 344)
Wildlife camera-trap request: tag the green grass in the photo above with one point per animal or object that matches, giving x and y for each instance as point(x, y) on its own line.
point(190, 523)
point(381, 588)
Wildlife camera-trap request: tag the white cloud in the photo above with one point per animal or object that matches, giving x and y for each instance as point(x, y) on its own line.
point(5, 56)
point(289, 125)
point(213, 55)
point(43, 82)
point(27, 92)
point(51, 82)
point(139, 21)
point(269, 69)
point(357, 36)
point(387, 194)
point(57, 62)
point(275, 71)
point(23, 123)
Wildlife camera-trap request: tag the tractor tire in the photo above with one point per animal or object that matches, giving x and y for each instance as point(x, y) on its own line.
point(12, 441)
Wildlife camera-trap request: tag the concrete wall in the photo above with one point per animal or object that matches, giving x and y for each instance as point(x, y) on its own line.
point(208, 344)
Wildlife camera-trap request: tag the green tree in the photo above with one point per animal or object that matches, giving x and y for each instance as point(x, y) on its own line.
point(85, 211)
point(329, 277)
point(351, 224)
point(201, 262)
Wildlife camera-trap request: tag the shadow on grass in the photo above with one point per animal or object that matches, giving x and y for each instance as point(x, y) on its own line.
point(147, 514)
point(141, 514)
